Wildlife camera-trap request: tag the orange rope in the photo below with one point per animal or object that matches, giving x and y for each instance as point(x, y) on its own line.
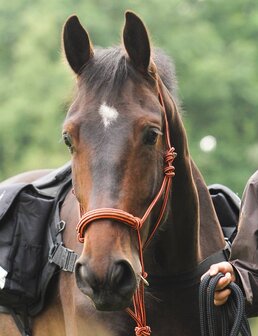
point(136, 223)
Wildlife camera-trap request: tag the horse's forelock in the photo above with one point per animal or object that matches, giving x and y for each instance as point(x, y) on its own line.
point(110, 68)
point(107, 70)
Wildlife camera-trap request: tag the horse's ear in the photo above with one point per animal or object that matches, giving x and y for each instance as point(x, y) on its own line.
point(136, 41)
point(77, 45)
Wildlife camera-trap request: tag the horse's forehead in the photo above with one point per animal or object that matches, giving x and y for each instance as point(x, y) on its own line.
point(93, 109)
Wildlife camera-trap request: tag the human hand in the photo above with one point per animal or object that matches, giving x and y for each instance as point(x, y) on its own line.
point(221, 292)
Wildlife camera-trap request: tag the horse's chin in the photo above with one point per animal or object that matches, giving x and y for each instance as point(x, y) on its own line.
point(111, 306)
point(110, 302)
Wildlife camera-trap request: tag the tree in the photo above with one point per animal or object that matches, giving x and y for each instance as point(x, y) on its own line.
point(214, 47)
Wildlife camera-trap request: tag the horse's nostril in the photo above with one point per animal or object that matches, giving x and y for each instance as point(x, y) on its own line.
point(85, 279)
point(117, 274)
point(122, 277)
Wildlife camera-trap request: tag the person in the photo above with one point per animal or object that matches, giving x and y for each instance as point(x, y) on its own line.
point(242, 267)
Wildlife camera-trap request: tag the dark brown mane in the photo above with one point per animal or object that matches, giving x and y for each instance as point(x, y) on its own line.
point(110, 68)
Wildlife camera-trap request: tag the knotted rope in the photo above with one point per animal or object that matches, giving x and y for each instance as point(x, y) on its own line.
point(142, 331)
point(136, 223)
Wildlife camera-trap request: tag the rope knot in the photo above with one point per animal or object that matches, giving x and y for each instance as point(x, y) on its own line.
point(137, 223)
point(170, 155)
point(143, 331)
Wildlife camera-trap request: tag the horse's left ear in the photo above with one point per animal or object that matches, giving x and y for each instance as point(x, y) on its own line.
point(77, 45)
point(136, 41)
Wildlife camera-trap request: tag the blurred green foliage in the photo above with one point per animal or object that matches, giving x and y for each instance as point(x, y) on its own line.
point(212, 42)
point(215, 49)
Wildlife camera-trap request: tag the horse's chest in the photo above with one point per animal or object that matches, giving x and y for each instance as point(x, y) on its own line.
point(174, 313)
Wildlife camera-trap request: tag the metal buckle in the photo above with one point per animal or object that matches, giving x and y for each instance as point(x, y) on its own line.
point(61, 226)
point(227, 248)
point(63, 257)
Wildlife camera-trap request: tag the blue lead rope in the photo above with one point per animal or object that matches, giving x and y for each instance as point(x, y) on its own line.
point(217, 321)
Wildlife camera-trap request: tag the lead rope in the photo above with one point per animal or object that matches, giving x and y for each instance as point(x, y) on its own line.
point(136, 223)
point(234, 308)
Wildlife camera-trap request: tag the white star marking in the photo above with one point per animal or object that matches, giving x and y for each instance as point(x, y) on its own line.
point(108, 113)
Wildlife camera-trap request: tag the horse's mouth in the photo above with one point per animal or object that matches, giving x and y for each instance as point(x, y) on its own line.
point(114, 293)
point(110, 302)
point(106, 300)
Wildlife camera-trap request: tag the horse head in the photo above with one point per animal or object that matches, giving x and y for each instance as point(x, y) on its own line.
point(117, 132)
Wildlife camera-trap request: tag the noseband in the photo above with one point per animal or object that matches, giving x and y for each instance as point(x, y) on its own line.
point(136, 223)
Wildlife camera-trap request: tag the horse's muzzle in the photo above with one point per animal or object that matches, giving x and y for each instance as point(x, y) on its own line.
point(112, 292)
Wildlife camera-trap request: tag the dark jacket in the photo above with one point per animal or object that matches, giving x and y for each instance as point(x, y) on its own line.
point(244, 255)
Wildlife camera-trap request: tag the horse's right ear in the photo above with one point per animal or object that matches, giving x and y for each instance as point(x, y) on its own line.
point(77, 45)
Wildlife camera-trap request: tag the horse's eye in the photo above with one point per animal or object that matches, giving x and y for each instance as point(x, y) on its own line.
point(151, 136)
point(67, 140)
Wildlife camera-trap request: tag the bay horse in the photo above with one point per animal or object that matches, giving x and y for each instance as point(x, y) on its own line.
point(145, 215)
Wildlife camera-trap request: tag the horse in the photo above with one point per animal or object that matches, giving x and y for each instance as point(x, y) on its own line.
point(143, 215)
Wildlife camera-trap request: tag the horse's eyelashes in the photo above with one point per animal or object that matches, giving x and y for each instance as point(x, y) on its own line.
point(151, 136)
point(68, 141)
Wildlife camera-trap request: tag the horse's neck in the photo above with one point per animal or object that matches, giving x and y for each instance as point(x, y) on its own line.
point(209, 224)
point(184, 240)
point(181, 242)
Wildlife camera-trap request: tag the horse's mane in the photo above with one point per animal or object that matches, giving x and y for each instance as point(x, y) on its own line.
point(109, 69)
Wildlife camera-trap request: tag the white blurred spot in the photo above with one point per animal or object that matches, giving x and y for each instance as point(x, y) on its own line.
point(3, 274)
point(208, 143)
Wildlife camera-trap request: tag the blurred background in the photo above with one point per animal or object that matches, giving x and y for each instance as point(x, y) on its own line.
point(214, 44)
